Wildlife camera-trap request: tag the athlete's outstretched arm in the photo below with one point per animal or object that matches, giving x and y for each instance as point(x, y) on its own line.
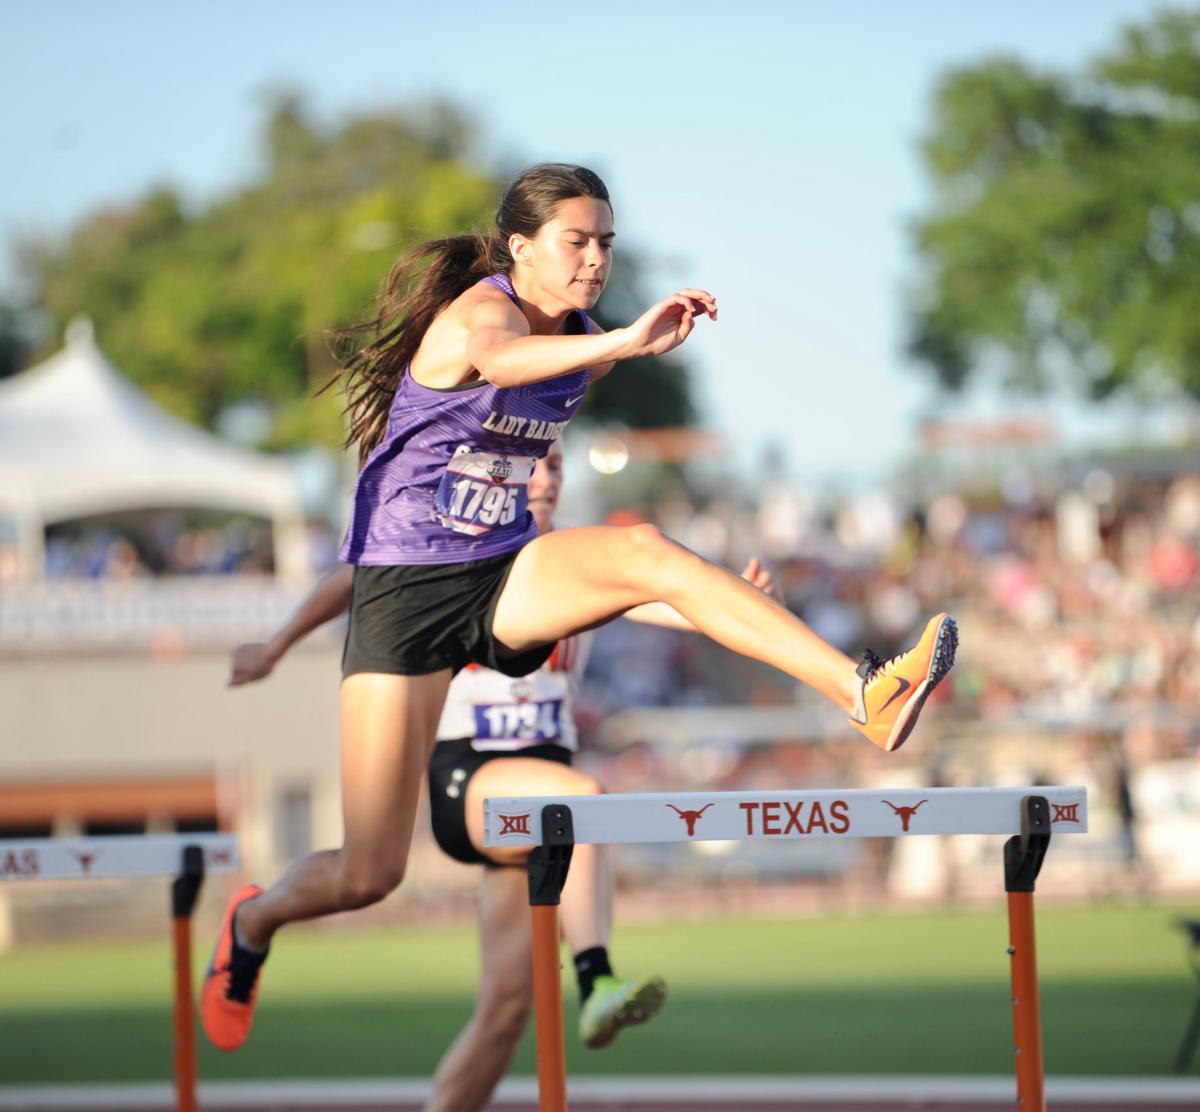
point(660, 614)
point(329, 598)
point(501, 349)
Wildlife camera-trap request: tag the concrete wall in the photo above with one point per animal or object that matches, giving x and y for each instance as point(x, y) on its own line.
point(112, 716)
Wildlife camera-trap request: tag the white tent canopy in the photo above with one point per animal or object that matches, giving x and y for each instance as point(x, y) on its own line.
point(77, 438)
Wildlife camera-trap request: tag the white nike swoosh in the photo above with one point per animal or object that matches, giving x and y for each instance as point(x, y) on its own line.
point(572, 401)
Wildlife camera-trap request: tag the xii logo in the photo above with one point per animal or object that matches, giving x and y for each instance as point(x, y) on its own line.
point(514, 824)
point(1064, 812)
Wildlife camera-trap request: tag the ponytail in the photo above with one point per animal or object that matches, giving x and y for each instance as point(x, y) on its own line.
point(417, 288)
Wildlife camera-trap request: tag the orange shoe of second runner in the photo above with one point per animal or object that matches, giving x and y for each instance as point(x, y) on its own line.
point(893, 691)
point(231, 983)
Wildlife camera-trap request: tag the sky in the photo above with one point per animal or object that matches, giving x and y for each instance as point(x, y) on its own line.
point(766, 151)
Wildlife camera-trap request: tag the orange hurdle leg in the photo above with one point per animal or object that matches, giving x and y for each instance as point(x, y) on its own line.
point(547, 868)
point(1027, 1021)
point(548, 1009)
point(184, 891)
point(185, 1025)
point(1023, 856)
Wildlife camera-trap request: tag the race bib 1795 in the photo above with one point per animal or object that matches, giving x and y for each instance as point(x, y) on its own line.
point(481, 491)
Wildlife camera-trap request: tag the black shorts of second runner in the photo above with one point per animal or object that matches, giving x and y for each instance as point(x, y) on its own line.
point(450, 769)
point(415, 619)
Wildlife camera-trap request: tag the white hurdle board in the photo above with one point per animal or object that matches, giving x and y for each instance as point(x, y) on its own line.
point(734, 816)
point(115, 856)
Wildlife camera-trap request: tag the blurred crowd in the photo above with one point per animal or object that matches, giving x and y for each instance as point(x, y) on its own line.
point(1077, 607)
point(133, 546)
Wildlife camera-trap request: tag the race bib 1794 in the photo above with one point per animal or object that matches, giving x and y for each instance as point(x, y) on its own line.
point(519, 721)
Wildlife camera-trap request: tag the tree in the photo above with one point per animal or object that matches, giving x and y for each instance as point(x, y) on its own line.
point(235, 300)
point(1063, 241)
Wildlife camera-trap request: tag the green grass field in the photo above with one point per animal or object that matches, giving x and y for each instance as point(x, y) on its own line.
point(923, 993)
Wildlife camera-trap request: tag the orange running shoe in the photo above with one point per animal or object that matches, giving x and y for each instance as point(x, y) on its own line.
point(894, 691)
point(231, 983)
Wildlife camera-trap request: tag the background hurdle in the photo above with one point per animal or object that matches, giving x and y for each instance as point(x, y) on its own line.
point(186, 857)
point(553, 825)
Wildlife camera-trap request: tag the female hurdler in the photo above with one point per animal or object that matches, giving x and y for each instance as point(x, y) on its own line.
point(498, 737)
point(477, 365)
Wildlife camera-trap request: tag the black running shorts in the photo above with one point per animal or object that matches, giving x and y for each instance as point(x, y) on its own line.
point(415, 619)
point(450, 769)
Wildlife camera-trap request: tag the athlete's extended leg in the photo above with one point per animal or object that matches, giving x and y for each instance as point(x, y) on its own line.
point(388, 726)
point(578, 578)
point(586, 911)
point(477, 1059)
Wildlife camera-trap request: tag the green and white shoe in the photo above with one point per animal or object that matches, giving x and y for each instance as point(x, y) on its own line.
point(614, 1004)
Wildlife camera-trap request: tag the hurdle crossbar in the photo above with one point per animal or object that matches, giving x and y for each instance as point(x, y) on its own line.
point(186, 857)
point(551, 825)
point(729, 816)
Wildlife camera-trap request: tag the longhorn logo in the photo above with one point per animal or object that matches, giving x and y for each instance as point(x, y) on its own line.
point(86, 860)
point(906, 813)
point(690, 817)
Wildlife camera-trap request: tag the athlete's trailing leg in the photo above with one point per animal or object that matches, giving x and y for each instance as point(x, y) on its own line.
point(608, 1002)
point(388, 726)
point(478, 1058)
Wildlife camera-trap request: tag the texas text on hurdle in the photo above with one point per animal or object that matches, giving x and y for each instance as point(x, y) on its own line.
point(113, 856)
point(727, 816)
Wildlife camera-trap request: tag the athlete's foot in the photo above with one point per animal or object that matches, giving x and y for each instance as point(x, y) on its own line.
point(893, 691)
point(231, 983)
point(614, 1004)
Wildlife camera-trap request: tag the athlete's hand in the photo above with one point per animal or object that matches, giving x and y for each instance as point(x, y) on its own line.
point(250, 662)
point(666, 325)
point(758, 574)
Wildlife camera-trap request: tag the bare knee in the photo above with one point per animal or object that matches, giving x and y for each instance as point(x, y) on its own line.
point(654, 559)
point(362, 886)
point(650, 542)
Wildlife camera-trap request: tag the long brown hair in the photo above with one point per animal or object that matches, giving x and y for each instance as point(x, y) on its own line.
point(421, 284)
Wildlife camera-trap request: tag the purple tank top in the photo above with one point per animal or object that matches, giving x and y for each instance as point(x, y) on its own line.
point(448, 481)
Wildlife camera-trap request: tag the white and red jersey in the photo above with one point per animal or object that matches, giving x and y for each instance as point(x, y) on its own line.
point(499, 712)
